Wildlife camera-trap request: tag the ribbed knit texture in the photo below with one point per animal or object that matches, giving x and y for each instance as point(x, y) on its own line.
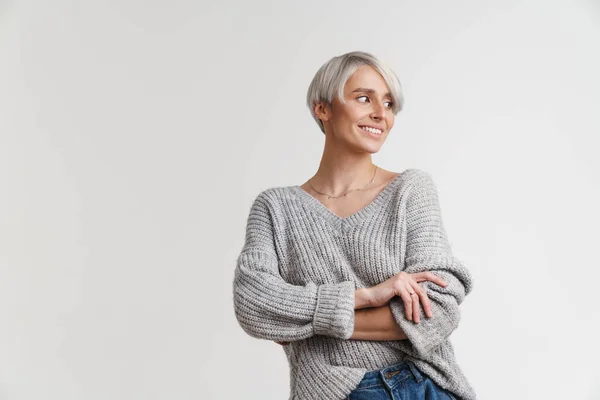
point(300, 265)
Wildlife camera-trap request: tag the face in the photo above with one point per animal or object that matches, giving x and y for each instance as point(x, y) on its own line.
point(364, 121)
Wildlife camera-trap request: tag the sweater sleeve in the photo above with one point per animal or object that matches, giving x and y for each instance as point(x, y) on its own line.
point(268, 307)
point(428, 249)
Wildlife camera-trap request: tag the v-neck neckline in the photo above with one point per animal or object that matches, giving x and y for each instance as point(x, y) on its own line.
point(312, 203)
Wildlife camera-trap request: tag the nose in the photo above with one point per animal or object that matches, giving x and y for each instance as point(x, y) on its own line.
point(378, 111)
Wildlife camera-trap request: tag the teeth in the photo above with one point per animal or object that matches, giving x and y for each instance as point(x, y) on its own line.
point(372, 130)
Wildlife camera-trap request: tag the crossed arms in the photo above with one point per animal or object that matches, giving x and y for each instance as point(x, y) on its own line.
point(269, 308)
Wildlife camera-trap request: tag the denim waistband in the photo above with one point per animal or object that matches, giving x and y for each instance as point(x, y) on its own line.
point(391, 376)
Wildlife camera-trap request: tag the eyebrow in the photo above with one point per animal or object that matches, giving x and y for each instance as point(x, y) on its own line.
point(371, 91)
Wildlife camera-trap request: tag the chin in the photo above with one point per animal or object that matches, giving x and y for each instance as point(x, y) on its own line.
point(371, 148)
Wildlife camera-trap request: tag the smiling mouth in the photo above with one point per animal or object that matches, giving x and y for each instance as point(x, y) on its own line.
point(371, 130)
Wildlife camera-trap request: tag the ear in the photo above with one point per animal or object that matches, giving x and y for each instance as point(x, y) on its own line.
point(322, 111)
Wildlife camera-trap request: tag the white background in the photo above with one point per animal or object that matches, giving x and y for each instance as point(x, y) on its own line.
point(134, 136)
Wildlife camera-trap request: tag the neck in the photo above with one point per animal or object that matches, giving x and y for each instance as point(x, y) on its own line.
point(341, 170)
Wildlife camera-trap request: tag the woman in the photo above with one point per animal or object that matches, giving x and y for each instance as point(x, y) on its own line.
point(352, 271)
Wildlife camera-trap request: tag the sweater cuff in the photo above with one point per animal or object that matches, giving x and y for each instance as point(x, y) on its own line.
point(429, 333)
point(334, 314)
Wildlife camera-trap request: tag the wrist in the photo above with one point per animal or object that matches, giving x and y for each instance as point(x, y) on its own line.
point(362, 298)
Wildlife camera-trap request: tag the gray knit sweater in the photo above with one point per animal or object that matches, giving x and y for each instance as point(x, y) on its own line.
point(300, 265)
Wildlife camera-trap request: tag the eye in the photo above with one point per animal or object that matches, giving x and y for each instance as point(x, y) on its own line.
point(390, 104)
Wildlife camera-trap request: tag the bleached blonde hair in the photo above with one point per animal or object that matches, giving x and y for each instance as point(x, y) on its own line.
point(330, 79)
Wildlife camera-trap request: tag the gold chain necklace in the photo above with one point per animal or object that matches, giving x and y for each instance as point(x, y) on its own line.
point(344, 194)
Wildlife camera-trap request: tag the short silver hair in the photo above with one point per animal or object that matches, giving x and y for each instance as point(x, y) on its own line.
point(330, 79)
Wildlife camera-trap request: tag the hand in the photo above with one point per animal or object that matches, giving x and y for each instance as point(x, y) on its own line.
point(403, 284)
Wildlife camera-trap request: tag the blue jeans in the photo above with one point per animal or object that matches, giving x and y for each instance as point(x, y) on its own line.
point(399, 382)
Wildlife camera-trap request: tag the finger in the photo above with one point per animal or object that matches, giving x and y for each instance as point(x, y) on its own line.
point(438, 280)
point(428, 276)
point(420, 276)
point(406, 298)
point(416, 308)
point(424, 299)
